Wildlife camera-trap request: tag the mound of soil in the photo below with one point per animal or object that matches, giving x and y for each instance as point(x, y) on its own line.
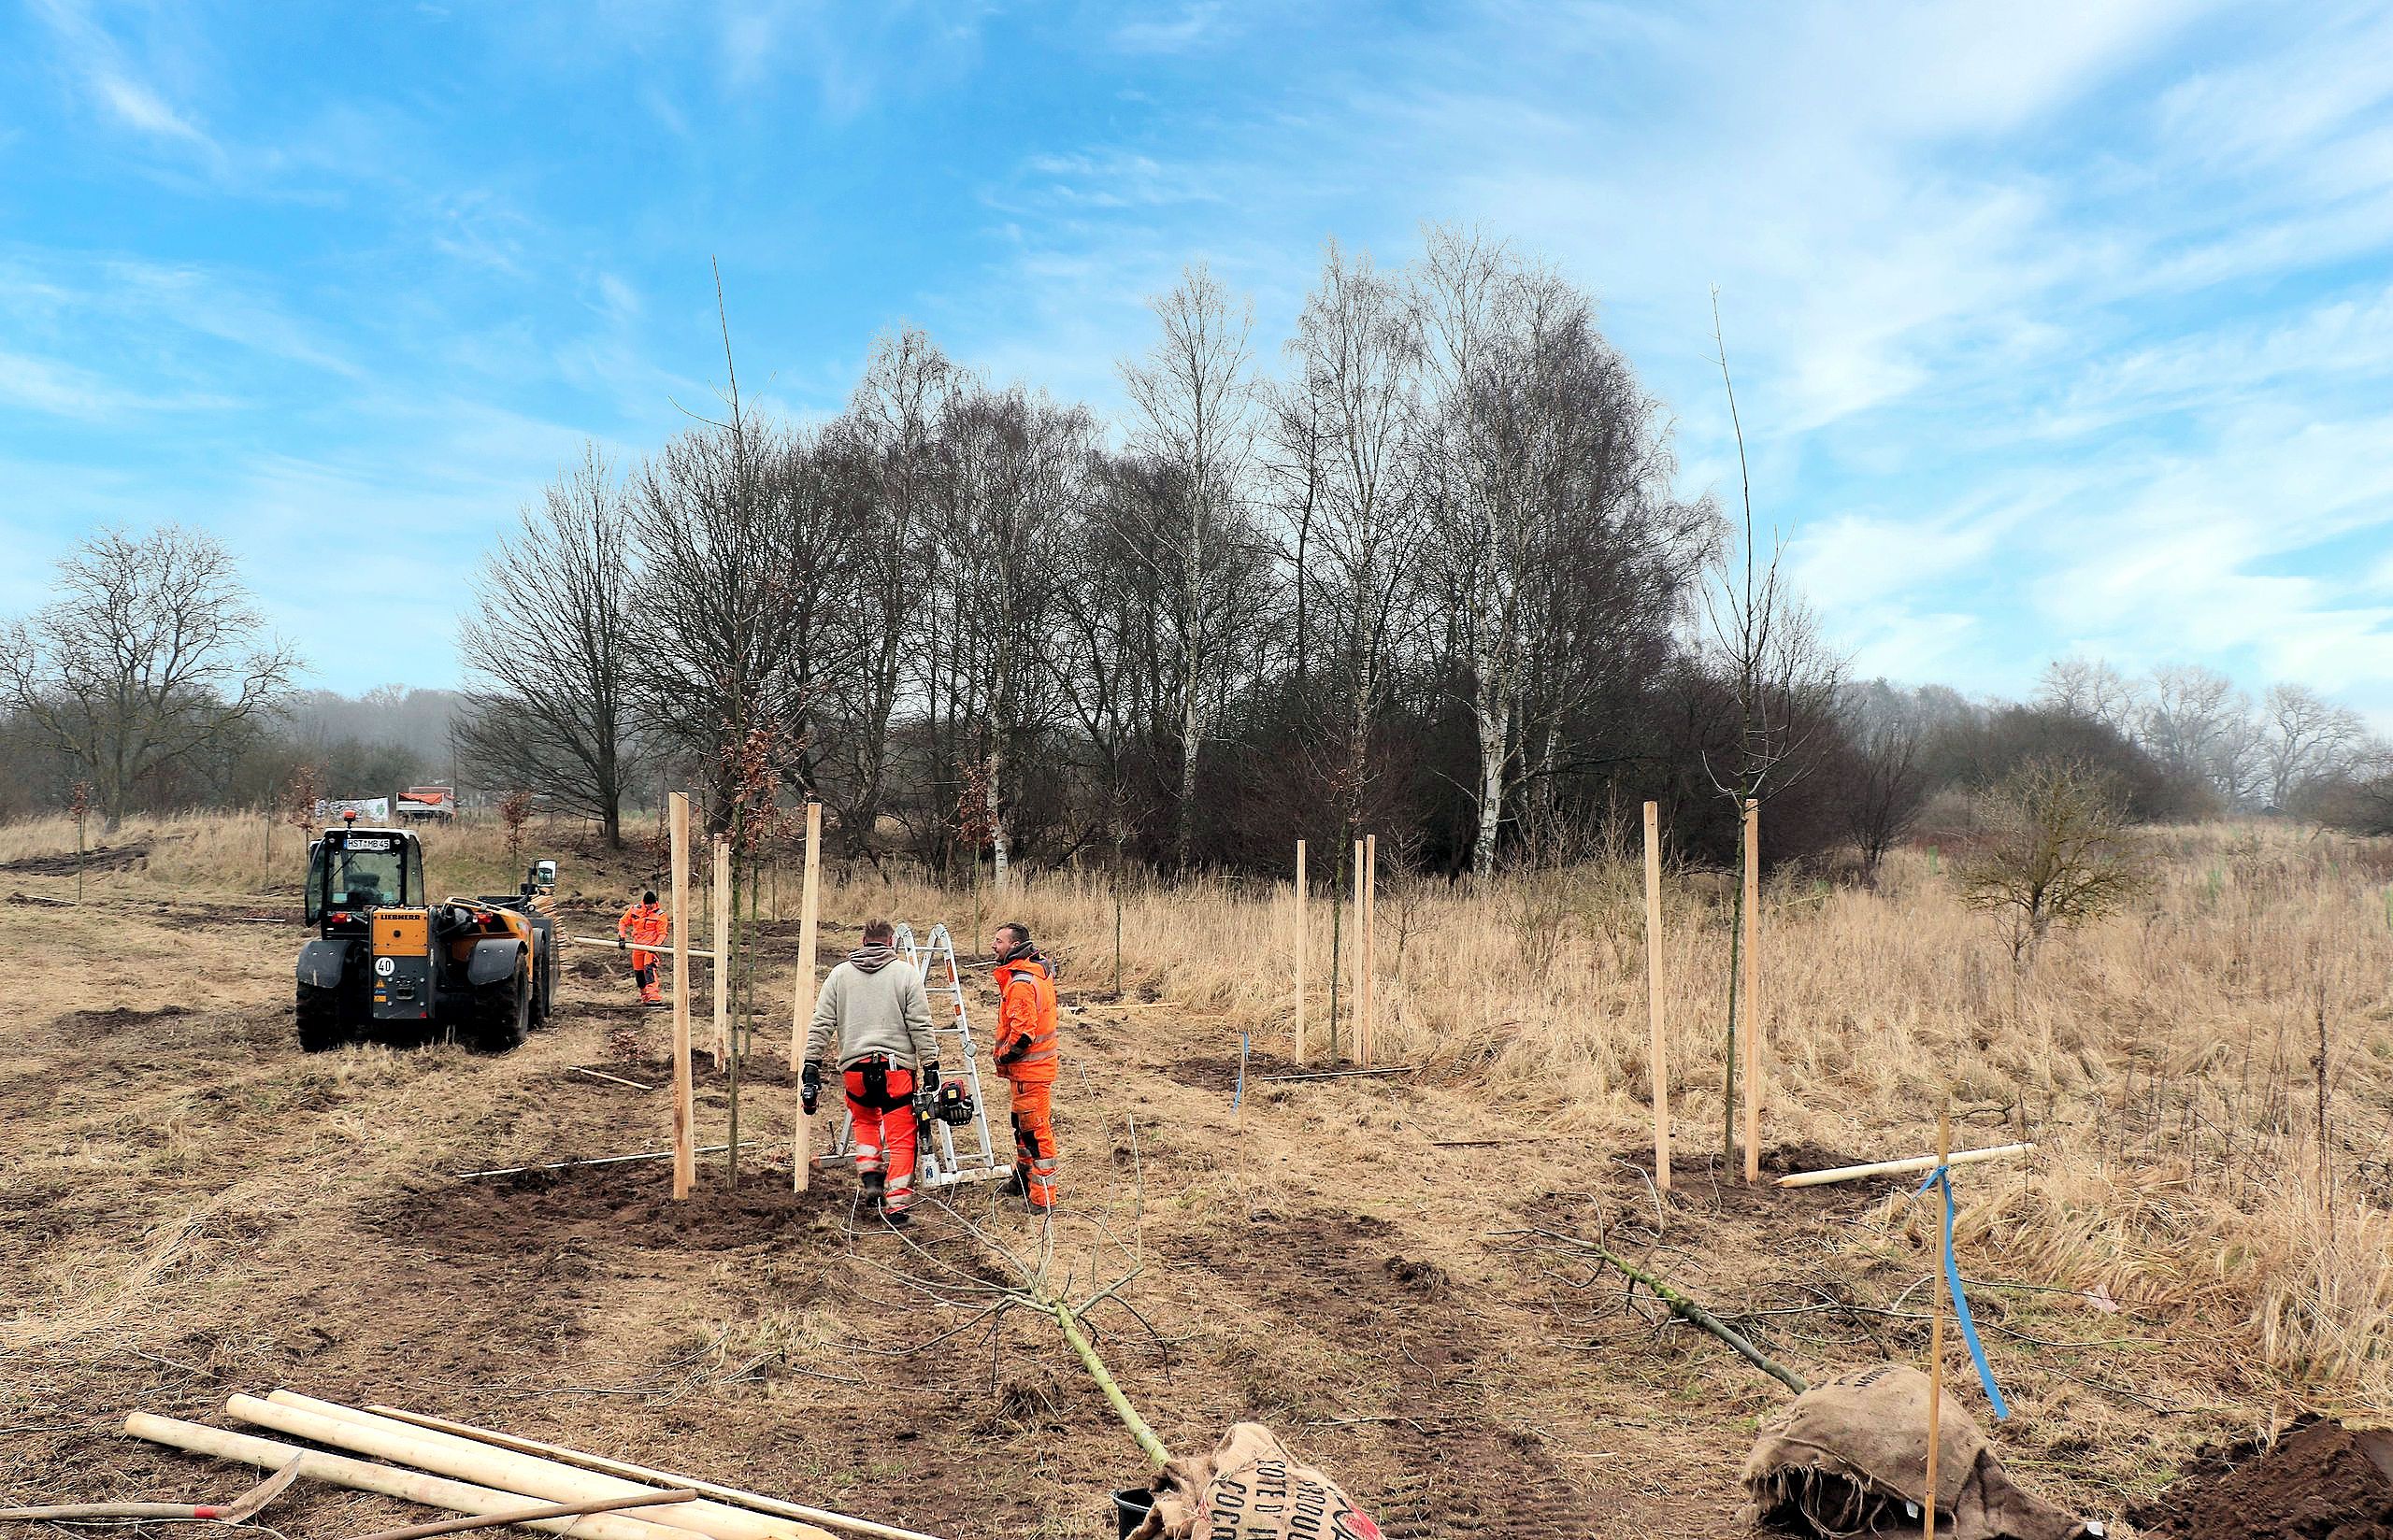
point(2321, 1482)
point(108, 858)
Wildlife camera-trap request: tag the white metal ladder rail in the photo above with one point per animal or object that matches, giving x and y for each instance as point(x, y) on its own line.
point(940, 1165)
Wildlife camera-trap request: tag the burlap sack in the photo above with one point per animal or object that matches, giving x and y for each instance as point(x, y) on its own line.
point(1845, 1456)
point(1251, 1488)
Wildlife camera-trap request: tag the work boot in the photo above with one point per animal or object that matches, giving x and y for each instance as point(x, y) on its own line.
point(1018, 1183)
point(874, 1186)
point(899, 1218)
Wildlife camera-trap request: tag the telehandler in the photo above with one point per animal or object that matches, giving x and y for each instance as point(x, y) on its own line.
point(388, 962)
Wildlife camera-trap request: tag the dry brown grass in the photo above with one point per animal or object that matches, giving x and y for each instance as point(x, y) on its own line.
point(2164, 1058)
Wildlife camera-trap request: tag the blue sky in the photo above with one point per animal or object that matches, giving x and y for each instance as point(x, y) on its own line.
point(2059, 326)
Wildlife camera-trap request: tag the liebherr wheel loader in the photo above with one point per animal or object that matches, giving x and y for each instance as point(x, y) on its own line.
point(388, 962)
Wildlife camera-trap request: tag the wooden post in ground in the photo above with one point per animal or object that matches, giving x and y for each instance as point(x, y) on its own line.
point(1936, 1327)
point(1371, 944)
point(720, 933)
point(1359, 1047)
point(1753, 990)
point(685, 1164)
point(1661, 1059)
point(802, 1007)
point(1301, 953)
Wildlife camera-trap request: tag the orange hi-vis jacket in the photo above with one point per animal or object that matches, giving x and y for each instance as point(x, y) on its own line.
point(644, 925)
point(1025, 1048)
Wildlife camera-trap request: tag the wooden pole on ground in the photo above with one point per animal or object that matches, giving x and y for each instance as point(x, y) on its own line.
point(685, 1164)
point(1936, 1327)
point(721, 937)
point(366, 1476)
point(1370, 943)
point(1360, 1050)
point(1753, 990)
point(1301, 953)
point(644, 1473)
point(802, 1007)
point(1661, 1059)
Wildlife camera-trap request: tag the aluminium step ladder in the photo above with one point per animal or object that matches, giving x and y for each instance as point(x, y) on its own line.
point(939, 1163)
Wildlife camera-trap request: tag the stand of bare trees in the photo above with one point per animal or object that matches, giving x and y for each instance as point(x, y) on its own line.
point(151, 658)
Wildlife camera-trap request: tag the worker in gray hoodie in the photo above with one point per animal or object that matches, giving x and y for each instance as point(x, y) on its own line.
point(873, 1019)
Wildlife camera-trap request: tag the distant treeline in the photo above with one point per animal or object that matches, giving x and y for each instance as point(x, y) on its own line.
point(1431, 577)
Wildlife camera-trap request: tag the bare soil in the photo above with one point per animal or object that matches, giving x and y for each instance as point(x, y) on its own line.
point(2319, 1482)
point(1379, 1268)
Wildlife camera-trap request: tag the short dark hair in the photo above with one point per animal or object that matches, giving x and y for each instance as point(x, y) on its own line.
point(1021, 931)
point(879, 932)
point(649, 897)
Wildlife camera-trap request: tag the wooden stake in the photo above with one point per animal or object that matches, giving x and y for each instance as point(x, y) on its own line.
point(1753, 990)
point(802, 1006)
point(366, 1476)
point(1902, 1167)
point(721, 938)
point(643, 1473)
point(1369, 943)
point(1936, 1327)
point(1660, 1060)
point(1301, 953)
point(686, 1112)
point(524, 1515)
point(1360, 1046)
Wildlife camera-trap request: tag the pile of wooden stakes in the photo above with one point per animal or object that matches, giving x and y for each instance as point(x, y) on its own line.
point(495, 1478)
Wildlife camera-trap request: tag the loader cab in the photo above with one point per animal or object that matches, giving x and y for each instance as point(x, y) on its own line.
point(353, 872)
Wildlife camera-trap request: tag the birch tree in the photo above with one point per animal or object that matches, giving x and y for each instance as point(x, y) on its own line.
point(1193, 402)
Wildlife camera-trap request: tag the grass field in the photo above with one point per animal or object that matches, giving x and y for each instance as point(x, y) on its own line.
point(2199, 1250)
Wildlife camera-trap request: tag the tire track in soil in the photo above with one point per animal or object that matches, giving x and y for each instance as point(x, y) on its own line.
point(1461, 1472)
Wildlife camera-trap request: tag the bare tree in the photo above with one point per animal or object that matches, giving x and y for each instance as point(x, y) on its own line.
point(748, 538)
point(1889, 785)
point(551, 647)
point(895, 413)
point(2197, 724)
point(1194, 400)
point(2303, 736)
point(1013, 474)
point(2060, 855)
point(151, 657)
point(1357, 357)
point(2088, 687)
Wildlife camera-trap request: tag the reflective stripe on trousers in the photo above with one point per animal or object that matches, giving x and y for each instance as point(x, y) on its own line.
point(1034, 1141)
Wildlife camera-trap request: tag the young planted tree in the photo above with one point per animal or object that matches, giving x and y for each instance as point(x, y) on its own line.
point(151, 658)
point(551, 647)
point(1764, 645)
point(748, 538)
point(2060, 853)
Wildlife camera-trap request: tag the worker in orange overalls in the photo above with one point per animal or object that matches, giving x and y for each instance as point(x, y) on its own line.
point(644, 923)
point(1028, 1058)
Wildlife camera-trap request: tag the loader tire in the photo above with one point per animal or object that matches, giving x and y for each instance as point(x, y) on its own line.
point(501, 1015)
point(321, 1023)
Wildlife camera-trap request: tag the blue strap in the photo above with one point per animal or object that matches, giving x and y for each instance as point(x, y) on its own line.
point(1942, 1177)
point(1239, 1093)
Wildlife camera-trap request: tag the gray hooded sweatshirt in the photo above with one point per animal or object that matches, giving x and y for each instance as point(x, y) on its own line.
point(873, 1003)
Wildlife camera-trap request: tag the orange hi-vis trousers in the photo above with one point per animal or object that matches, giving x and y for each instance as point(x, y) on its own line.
point(884, 1133)
point(1034, 1140)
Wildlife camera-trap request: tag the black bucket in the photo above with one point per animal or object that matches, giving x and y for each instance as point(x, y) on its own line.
point(1130, 1510)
